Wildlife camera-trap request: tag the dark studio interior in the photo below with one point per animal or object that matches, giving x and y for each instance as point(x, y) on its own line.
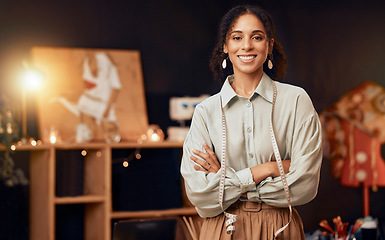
point(331, 47)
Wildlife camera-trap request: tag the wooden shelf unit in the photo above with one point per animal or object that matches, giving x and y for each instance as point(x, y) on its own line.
point(154, 213)
point(97, 194)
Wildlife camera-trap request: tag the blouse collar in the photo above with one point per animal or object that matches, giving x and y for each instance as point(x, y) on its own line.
point(264, 89)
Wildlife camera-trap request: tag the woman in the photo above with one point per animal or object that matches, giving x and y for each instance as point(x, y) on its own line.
point(235, 125)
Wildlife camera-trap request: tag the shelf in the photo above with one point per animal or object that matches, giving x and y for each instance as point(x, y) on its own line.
point(97, 145)
point(97, 184)
point(27, 147)
point(80, 199)
point(154, 213)
point(164, 144)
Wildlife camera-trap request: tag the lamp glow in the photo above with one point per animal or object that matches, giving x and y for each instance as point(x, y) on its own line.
point(32, 79)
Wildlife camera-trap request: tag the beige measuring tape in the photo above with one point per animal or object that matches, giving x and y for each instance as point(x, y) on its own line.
point(230, 228)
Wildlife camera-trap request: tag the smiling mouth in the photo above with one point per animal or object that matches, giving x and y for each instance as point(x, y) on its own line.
point(247, 58)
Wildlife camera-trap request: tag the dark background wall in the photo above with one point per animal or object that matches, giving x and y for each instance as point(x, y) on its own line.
point(332, 46)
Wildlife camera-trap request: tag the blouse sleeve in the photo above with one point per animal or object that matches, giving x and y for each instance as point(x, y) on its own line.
point(202, 188)
point(306, 159)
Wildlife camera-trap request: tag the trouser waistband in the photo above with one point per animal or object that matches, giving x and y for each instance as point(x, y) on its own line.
point(251, 206)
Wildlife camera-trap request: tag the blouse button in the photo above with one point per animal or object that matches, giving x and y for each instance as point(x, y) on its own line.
point(248, 104)
point(251, 155)
point(249, 130)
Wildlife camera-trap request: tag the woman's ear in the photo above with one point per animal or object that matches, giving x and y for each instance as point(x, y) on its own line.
point(225, 50)
point(271, 44)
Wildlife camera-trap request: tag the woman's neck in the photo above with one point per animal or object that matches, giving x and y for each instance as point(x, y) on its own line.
point(245, 84)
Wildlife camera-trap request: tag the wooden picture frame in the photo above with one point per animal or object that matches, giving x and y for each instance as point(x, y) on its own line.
point(102, 89)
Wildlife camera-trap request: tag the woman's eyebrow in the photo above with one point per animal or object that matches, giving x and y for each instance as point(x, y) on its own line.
point(255, 31)
point(258, 31)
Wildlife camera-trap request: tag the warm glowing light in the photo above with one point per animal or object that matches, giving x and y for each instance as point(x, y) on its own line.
point(84, 153)
point(13, 147)
point(32, 79)
point(9, 128)
point(154, 133)
point(138, 156)
point(155, 137)
point(52, 135)
point(125, 164)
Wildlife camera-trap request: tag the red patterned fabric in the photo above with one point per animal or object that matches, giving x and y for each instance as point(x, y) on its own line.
point(354, 128)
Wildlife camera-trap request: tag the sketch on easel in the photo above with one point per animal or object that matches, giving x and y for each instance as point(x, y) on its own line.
point(91, 94)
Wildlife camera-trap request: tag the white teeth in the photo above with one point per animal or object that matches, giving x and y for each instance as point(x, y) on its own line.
point(246, 57)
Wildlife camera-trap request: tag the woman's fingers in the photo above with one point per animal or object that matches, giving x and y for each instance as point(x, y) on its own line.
point(202, 165)
point(209, 163)
point(208, 149)
point(211, 154)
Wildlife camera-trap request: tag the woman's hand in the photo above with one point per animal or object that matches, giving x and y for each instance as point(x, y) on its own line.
point(210, 162)
point(268, 169)
point(285, 165)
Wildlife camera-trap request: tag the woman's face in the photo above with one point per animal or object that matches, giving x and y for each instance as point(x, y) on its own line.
point(247, 45)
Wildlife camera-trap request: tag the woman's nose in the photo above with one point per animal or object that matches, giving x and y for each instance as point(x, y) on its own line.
point(247, 44)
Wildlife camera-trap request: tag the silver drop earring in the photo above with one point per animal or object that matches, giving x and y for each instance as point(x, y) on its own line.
point(224, 63)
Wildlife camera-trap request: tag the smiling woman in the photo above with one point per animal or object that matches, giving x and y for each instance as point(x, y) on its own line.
point(248, 42)
point(247, 47)
point(264, 32)
point(237, 169)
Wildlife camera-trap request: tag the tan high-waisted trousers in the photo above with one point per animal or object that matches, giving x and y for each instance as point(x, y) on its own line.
point(255, 221)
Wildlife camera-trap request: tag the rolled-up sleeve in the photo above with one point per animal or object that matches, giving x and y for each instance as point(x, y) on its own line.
point(202, 188)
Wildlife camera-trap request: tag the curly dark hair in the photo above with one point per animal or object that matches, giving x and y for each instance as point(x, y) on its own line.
point(277, 57)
